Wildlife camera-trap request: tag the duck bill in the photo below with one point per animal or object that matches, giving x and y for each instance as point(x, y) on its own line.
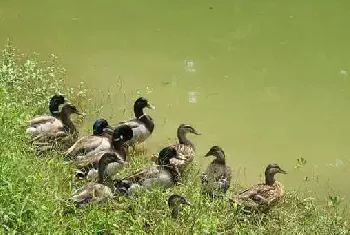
point(208, 154)
point(151, 106)
point(282, 171)
point(187, 203)
point(81, 114)
point(197, 132)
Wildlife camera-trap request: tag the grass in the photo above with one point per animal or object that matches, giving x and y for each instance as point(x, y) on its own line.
point(34, 189)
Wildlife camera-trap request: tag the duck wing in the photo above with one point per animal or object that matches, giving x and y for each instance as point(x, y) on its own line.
point(216, 177)
point(41, 120)
point(186, 152)
point(260, 196)
point(87, 144)
point(142, 174)
point(92, 192)
point(93, 159)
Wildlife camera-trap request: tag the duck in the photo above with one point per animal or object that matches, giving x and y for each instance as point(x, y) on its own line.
point(61, 127)
point(264, 196)
point(88, 166)
point(98, 191)
point(217, 177)
point(142, 125)
point(174, 203)
point(184, 147)
point(55, 102)
point(164, 175)
point(100, 140)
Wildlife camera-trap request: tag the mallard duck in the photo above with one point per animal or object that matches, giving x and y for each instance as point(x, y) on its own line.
point(96, 192)
point(142, 125)
point(89, 165)
point(99, 141)
point(174, 203)
point(217, 177)
point(59, 128)
point(185, 148)
point(263, 196)
point(163, 174)
point(54, 104)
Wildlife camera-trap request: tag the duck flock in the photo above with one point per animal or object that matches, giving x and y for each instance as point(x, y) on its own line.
point(99, 156)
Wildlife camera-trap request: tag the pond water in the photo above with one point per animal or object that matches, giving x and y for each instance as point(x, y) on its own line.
point(266, 80)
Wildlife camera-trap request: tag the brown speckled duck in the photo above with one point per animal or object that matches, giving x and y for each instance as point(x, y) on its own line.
point(262, 197)
point(185, 148)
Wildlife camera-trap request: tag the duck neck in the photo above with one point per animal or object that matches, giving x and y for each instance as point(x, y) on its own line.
point(174, 212)
point(269, 178)
point(121, 149)
point(103, 163)
point(138, 111)
point(182, 136)
point(53, 107)
point(67, 122)
point(144, 118)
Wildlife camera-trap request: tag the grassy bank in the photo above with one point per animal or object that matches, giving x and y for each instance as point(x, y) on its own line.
point(34, 189)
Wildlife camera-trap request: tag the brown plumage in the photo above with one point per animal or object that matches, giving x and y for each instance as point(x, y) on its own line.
point(55, 102)
point(97, 192)
point(99, 141)
point(263, 197)
point(59, 128)
point(185, 148)
point(119, 149)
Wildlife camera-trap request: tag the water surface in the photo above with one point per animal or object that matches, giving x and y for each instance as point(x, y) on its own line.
point(266, 80)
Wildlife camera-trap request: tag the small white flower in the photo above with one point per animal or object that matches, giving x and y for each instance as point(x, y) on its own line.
point(343, 73)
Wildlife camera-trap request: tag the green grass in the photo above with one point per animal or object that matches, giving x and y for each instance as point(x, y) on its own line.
point(34, 189)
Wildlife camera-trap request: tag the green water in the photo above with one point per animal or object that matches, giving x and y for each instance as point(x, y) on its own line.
point(269, 77)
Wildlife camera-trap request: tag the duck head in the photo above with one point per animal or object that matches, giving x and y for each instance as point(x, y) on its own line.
point(183, 129)
point(217, 152)
point(121, 134)
point(55, 102)
point(99, 127)
point(270, 172)
point(174, 202)
point(70, 108)
point(142, 103)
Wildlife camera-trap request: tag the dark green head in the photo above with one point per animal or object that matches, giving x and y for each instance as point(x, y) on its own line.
point(142, 103)
point(121, 134)
point(99, 126)
point(166, 154)
point(54, 104)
